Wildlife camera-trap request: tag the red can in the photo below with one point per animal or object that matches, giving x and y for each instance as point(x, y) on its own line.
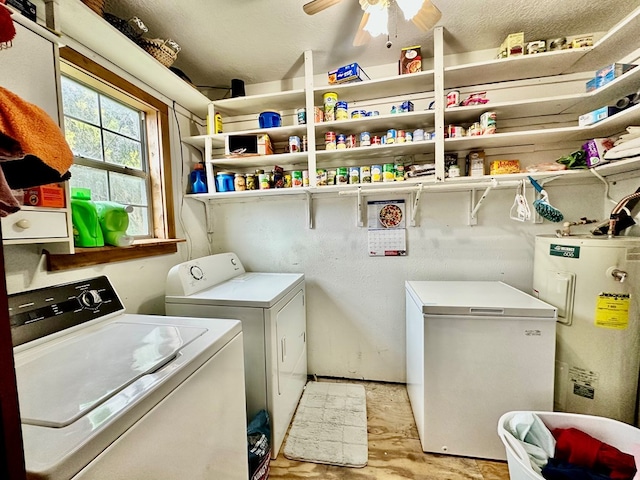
point(375, 140)
point(330, 140)
point(351, 141)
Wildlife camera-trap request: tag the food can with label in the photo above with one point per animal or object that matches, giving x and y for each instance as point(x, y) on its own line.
point(318, 114)
point(354, 175)
point(301, 115)
point(296, 178)
point(391, 135)
point(294, 144)
point(305, 178)
point(342, 112)
point(400, 136)
point(304, 143)
point(287, 180)
point(455, 131)
point(488, 123)
point(375, 140)
point(418, 135)
point(453, 98)
point(376, 173)
point(365, 139)
point(408, 137)
point(399, 172)
point(342, 176)
point(365, 174)
point(264, 181)
point(321, 177)
point(358, 114)
point(330, 99)
point(341, 141)
point(388, 172)
point(330, 140)
point(351, 141)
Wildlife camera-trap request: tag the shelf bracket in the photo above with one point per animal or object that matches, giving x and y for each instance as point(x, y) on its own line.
point(415, 201)
point(309, 210)
point(359, 221)
point(473, 219)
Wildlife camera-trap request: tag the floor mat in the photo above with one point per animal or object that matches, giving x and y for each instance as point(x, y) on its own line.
point(330, 425)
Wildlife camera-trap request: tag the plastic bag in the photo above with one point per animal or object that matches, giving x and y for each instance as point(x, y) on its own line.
point(259, 446)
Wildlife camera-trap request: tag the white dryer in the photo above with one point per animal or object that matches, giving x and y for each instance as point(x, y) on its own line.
point(271, 307)
point(109, 395)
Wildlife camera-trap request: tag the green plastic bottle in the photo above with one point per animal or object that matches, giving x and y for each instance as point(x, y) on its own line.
point(86, 228)
point(114, 221)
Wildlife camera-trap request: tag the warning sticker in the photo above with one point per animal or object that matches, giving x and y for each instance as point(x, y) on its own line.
point(584, 382)
point(612, 311)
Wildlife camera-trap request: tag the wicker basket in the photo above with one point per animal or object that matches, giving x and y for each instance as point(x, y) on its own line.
point(124, 26)
point(159, 50)
point(95, 5)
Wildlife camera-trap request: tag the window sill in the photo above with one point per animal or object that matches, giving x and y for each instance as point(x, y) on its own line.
point(85, 257)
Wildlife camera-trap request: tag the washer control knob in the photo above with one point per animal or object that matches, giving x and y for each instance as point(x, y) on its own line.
point(90, 299)
point(196, 272)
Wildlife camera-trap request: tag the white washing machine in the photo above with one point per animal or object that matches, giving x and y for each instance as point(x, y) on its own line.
point(272, 309)
point(109, 395)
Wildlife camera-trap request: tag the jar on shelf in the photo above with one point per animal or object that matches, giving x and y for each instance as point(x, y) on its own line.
point(239, 182)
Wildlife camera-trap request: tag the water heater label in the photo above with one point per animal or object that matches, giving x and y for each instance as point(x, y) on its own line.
point(612, 311)
point(567, 251)
point(584, 382)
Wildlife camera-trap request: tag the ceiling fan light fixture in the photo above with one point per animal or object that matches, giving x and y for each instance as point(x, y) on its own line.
point(410, 8)
point(377, 22)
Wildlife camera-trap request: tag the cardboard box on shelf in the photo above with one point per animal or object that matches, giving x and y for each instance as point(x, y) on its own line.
point(596, 115)
point(410, 60)
point(512, 46)
point(501, 167)
point(348, 73)
point(611, 72)
point(595, 150)
point(474, 166)
point(592, 84)
point(51, 195)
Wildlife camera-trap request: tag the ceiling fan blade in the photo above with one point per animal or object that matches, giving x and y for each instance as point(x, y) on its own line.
point(362, 36)
point(316, 6)
point(427, 16)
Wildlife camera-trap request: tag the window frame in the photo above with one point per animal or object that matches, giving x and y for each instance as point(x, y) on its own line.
point(163, 233)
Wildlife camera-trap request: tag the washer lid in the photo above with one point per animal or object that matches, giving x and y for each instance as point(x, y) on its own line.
point(254, 289)
point(68, 380)
point(477, 298)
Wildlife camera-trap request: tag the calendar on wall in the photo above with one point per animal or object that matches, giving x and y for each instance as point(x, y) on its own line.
point(387, 235)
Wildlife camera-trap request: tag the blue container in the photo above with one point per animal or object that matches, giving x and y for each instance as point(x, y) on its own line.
point(198, 179)
point(269, 119)
point(224, 182)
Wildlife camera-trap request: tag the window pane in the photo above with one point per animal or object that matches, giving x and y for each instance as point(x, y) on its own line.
point(79, 101)
point(122, 151)
point(127, 189)
point(120, 118)
point(83, 139)
point(92, 178)
point(139, 221)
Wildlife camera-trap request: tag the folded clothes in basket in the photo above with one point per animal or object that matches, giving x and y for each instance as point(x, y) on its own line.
point(534, 436)
point(581, 449)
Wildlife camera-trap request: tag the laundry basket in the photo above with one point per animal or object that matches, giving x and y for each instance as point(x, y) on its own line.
point(620, 435)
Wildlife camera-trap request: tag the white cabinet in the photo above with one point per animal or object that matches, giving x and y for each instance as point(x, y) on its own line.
point(29, 69)
point(537, 99)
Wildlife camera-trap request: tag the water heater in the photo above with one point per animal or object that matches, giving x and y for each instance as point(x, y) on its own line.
point(595, 284)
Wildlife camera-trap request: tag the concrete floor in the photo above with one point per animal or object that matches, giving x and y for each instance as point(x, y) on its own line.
point(394, 448)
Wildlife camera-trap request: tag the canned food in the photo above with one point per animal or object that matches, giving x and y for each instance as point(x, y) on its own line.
point(453, 98)
point(351, 141)
point(294, 144)
point(341, 111)
point(365, 139)
point(287, 180)
point(418, 135)
point(354, 175)
point(400, 136)
point(488, 122)
point(376, 173)
point(239, 182)
point(304, 143)
point(375, 140)
point(388, 172)
point(474, 129)
point(251, 182)
point(330, 99)
point(321, 177)
point(296, 178)
point(341, 141)
point(408, 137)
point(358, 114)
point(330, 140)
point(331, 177)
point(264, 181)
point(305, 178)
point(391, 135)
point(318, 114)
point(342, 176)
point(301, 115)
point(365, 174)
point(399, 172)
point(455, 131)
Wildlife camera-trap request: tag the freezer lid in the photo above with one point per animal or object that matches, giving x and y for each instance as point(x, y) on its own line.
point(254, 289)
point(65, 382)
point(477, 298)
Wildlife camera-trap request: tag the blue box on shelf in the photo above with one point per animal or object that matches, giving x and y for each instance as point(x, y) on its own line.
point(611, 72)
point(592, 84)
point(596, 115)
point(347, 73)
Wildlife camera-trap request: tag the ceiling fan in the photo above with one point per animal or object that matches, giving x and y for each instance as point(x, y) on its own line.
point(422, 13)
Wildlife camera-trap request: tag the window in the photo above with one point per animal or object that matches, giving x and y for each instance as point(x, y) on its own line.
point(108, 141)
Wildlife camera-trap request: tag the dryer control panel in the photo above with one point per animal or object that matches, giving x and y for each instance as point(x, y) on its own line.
point(37, 313)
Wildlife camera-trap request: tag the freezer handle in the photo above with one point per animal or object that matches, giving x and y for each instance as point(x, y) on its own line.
point(486, 311)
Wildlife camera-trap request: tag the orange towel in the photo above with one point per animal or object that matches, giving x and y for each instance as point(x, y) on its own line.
point(35, 131)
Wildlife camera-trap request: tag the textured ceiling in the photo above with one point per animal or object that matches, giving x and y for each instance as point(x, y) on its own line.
point(263, 40)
